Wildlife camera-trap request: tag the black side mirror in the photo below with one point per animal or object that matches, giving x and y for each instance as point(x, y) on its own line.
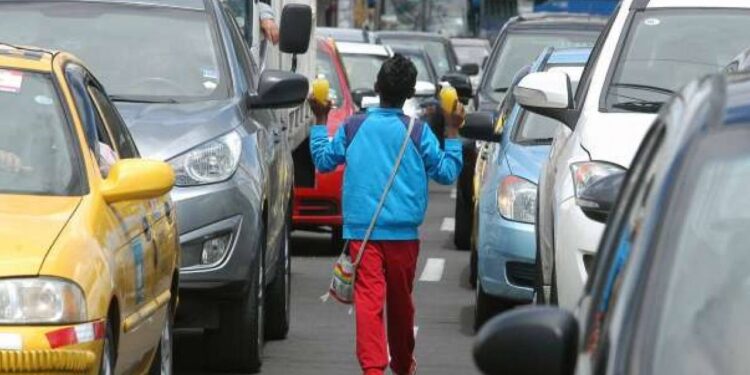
point(480, 126)
point(279, 89)
point(462, 83)
point(528, 341)
point(470, 69)
point(296, 28)
point(598, 199)
point(359, 94)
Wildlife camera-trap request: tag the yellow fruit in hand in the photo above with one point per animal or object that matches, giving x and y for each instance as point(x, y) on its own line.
point(320, 88)
point(448, 99)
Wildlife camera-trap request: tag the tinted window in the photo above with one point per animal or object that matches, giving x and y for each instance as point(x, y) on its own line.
point(121, 139)
point(520, 49)
point(159, 53)
point(362, 70)
point(37, 153)
point(327, 69)
point(668, 48)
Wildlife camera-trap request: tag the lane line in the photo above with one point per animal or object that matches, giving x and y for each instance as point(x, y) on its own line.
point(433, 270)
point(454, 193)
point(448, 225)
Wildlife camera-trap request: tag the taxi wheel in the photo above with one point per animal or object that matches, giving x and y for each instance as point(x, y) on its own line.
point(278, 305)
point(162, 364)
point(237, 345)
point(464, 216)
point(108, 353)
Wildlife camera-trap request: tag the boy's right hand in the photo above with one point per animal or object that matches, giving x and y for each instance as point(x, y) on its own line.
point(454, 120)
point(320, 110)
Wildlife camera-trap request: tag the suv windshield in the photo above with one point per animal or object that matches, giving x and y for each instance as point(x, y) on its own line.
point(437, 51)
point(36, 156)
point(362, 70)
point(326, 69)
point(520, 48)
point(139, 52)
point(668, 48)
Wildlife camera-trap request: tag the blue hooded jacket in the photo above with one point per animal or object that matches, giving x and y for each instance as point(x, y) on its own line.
point(369, 144)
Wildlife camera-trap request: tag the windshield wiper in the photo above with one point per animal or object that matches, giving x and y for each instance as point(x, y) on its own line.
point(638, 86)
point(141, 99)
point(641, 106)
point(500, 89)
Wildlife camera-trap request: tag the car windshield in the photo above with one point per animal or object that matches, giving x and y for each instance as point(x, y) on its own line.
point(666, 49)
point(423, 72)
point(704, 294)
point(437, 51)
point(326, 69)
point(36, 154)
point(362, 70)
point(536, 129)
point(519, 49)
point(469, 54)
point(128, 46)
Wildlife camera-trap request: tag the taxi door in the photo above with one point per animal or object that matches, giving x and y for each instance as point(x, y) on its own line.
point(135, 263)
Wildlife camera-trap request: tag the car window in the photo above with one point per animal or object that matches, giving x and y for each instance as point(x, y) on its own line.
point(588, 70)
point(362, 70)
point(437, 51)
point(246, 59)
point(325, 67)
point(121, 139)
point(106, 152)
point(38, 154)
point(665, 49)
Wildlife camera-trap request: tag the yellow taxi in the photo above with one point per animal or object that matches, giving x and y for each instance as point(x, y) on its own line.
point(89, 250)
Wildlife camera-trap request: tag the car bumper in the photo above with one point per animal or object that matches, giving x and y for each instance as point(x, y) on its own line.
point(232, 208)
point(36, 355)
point(506, 255)
point(576, 241)
point(321, 205)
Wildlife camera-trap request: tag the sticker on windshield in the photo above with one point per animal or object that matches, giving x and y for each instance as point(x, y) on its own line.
point(210, 73)
point(10, 81)
point(652, 21)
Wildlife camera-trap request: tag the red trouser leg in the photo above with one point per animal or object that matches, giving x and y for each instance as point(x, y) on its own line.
point(386, 272)
point(400, 267)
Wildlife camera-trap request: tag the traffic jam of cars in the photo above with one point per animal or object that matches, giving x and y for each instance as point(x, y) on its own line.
point(155, 161)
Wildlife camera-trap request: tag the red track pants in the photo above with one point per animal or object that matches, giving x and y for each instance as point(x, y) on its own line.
point(386, 273)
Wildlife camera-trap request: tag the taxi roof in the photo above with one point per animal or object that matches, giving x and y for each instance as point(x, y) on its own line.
point(29, 58)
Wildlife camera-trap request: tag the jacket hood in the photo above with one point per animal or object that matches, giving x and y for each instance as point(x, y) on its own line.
point(526, 161)
point(615, 137)
point(163, 131)
point(29, 226)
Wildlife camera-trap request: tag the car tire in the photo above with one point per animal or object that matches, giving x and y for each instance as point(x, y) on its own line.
point(109, 356)
point(237, 345)
point(279, 297)
point(487, 307)
point(163, 363)
point(473, 264)
point(463, 216)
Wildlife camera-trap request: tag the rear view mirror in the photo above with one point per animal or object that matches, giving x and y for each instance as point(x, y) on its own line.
point(279, 89)
point(424, 88)
point(598, 199)
point(480, 126)
point(296, 28)
point(546, 93)
point(462, 83)
point(528, 341)
point(470, 69)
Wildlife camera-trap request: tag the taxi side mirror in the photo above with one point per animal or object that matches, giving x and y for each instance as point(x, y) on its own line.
point(136, 179)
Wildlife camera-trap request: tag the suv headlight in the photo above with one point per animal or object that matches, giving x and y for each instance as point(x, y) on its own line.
point(587, 173)
point(211, 162)
point(41, 301)
point(516, 199)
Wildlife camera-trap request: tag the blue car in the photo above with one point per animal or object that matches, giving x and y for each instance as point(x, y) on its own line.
point(519, 142)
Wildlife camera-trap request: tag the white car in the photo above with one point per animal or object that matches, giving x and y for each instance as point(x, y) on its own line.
point(649, 50)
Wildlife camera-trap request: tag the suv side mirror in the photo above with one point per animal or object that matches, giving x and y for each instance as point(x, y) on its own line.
point(480, 126)
point(469, 69)
point(528, 341)
point(279, 89)
point(548, 94)
point(296, 28)
point(598, 199)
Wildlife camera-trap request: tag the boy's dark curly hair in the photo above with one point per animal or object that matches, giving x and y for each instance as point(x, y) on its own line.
point(396, 80)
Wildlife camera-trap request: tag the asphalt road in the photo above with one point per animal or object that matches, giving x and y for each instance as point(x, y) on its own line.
point(321, 340)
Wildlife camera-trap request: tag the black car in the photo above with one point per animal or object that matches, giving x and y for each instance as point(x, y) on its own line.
point(669, 290)
point(192, 94)
point(520, 41)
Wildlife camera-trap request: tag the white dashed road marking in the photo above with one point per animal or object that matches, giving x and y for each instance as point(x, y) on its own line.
point(433, 270)
point(448, 225)
point(454, 193)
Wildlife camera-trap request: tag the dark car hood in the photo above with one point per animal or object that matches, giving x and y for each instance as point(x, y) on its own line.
point(162, 131)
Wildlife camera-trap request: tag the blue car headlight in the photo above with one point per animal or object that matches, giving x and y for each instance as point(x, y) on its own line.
point(210, 162)
point(516, 199)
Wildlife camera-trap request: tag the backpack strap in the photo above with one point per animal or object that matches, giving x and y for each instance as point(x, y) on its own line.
point(352, 125)
point(416, 133)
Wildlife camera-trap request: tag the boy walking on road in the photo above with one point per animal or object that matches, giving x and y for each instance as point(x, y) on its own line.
point(369, 144)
